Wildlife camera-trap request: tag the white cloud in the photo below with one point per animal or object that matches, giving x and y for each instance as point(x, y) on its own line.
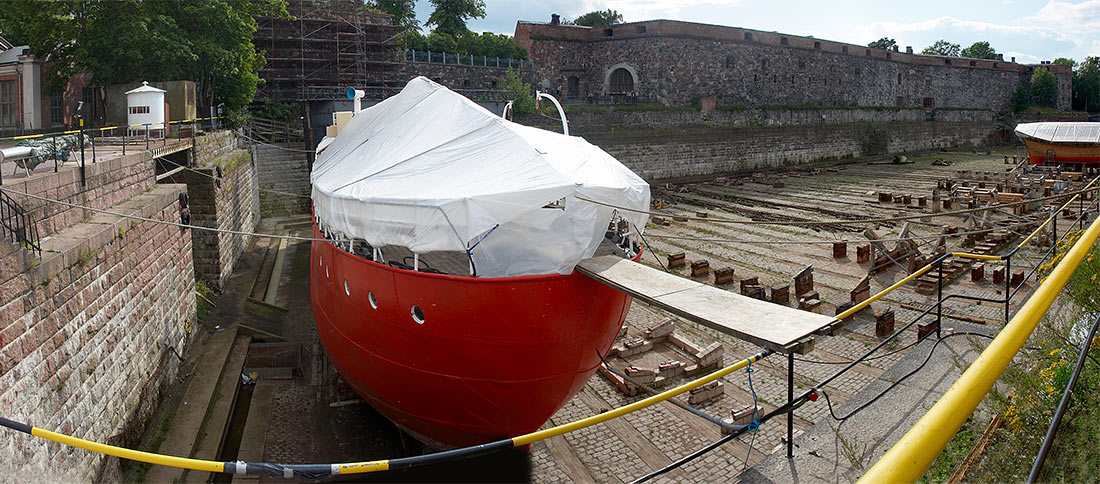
point(1080, 18)
point(876, 29)
point(635, 10)
point(1022, 57)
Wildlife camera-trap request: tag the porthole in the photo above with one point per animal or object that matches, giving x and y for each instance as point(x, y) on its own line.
point(373, 302)
point(417, 315)
point(346, 290)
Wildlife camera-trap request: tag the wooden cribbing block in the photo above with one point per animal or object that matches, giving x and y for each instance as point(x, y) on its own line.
point(863, 253)
point(670, 369)
point(844, 307)
point(661, 221)
point(723, 276)
point(999, 275)
point(862, 291)
point(977, 273)
point(701, 214)
point(925, 329)
point(700, 268)
point(884, 323)
point(922, 201)
point(840, 249)
point(660, 330)
point(677, 260)
point(643, 376)
point(1017, 279)
point(907, 199)
point(781, 294)
point(811, 305)
point(705, 392)
point(947, 204)
point(884, 197)
point(804, 281)
point(743, 415)
point(749, 281)
point(756, 292)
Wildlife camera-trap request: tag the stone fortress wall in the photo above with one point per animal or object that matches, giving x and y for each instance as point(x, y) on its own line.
point(674, 62)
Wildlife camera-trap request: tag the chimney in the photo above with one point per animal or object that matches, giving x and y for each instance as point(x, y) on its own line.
point(908, 49)
point(555, 19)
point(1000, 57)
point(895, 48)
point(1013, 60)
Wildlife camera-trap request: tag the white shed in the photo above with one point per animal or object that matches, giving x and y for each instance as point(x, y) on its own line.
point(145, 106)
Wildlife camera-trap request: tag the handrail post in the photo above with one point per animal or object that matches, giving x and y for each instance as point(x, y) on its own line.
point(83, 179)
point(939, 298)
point(1054, 226)
point(1081, 210)
point(1008, 283)
point(790, 398)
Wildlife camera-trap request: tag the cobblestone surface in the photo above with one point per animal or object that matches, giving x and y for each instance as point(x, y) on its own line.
point(610, 459)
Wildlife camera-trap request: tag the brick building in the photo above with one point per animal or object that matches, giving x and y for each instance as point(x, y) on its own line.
point(673, 62)
point(26, 102)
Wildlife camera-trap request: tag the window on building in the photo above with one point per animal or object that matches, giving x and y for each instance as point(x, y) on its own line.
point(139, 109)
point(888, 56)
point(801, 64)
point(844, 49)
point(867, 53)
point(608, 32)
point(763, 64)
point(972, 63)
point(621, 81)
point(899, 101)
point(928, 102)
point(9, 106)
point(87, 95)
point(57, 108)
point(899, 78)
point(748, 36)
point(995, 65)
point(817, 45)
point(947, 61)
point(640, 29)
point(465, 83)
point(494, 83)
point(783, 41)
point(730, 61)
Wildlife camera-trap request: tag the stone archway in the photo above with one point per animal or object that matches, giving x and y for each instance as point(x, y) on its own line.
point(620, 79)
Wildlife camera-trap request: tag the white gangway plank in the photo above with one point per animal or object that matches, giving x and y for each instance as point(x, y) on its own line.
point(769, 325)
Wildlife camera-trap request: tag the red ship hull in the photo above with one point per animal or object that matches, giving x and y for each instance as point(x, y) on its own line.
point(493, 357)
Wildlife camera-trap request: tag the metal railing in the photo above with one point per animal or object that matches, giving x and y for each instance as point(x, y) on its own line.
point(20, 227)
point(466, 59)
point(908, 459)
point(378, 93)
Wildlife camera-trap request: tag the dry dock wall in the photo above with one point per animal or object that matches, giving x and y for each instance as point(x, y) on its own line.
point(230, 202)
point(89, 332)
point(677, 144)
point(283, 176)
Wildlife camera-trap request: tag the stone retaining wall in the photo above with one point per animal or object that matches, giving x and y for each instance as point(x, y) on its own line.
point(229, 203)
point(212, 145)
point(88, 334)
point(670, 154)
point(283, 176)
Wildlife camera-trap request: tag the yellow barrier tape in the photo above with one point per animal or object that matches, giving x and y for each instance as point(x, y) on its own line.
point(908, 459)
point(164, 460)
point(640, 404)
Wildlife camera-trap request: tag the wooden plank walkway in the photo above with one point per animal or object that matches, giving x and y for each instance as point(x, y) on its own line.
point(762, 323)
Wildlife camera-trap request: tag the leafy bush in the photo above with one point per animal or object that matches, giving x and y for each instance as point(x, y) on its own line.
point(519, 92)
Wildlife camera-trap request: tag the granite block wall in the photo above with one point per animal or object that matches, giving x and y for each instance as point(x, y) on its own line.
point(282, 171)
point(88, 334)
point(231, 202)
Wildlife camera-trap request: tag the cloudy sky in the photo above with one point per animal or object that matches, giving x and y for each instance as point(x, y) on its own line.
point(1030, 30)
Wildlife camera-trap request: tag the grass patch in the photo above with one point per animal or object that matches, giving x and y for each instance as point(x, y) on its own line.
point(203, 293)
point(944, 465)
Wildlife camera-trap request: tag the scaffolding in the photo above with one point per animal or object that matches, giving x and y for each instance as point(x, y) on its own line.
point(328, 43)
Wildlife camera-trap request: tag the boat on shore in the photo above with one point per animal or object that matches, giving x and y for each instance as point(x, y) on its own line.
point(1072, 144)
point(443, 288)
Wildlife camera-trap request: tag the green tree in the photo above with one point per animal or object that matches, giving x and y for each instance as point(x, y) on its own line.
point(883, 43)
point(942, 47)
point(123, 41)
point(599, 18)
point(519, 92)
point(1043, 87)
point(980, 50)
point(402, 11)
point(1062, 61)
point(1086, 85)
point(1020, 99)
point(450, 16)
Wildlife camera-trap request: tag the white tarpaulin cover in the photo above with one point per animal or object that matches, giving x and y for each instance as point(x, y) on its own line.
point(1061, 132)
point(430, 170)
